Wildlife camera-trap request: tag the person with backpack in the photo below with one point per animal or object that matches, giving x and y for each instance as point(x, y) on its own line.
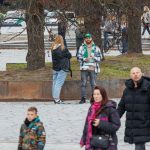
point(61, 66)
point(102, 123)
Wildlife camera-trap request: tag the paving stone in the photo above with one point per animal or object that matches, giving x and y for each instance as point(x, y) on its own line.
point(63, 123)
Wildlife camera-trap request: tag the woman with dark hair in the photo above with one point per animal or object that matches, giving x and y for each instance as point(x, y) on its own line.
point(102, 120)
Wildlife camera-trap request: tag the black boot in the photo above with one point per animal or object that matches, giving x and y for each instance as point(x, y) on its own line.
point(83, 100)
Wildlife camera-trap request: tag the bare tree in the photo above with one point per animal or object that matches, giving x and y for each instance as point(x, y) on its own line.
point(134, 26)
point(35, 33)
point(90, 10)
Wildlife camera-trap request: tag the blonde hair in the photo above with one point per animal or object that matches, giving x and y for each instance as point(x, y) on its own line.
point(58, 40)
point(146, 9)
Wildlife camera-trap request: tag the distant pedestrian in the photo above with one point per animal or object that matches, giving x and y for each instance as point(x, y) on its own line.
point(80, 32)
point(102, 123)
point(32, 132)
point(136, 103)
point(110, 26)
point(124, 38)
point(146, 20)
point(89, 56)
point(61, 66)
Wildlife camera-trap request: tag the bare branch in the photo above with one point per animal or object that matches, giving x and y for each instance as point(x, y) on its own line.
point(15, 35)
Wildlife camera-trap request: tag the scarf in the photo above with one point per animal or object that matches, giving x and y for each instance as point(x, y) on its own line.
point(94, 108)
point(85, 55)
point(30, 124)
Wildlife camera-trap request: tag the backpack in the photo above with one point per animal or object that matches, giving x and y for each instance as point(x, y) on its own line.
point(66, 66)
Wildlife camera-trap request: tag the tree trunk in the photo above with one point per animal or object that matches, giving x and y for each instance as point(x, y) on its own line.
point(134, 29)
point(92, 25)
point(35, 32)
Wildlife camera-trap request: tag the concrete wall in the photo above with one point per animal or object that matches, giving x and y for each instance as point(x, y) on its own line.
point(41, 90)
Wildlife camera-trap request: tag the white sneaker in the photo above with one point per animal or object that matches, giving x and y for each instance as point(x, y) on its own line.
point(59, 102)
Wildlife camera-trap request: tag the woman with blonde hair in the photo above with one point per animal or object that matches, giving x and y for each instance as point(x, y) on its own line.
point(61, 65)
point(146, 20)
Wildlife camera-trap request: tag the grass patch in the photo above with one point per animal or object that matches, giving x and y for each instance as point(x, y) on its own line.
point(14, 66)
point(111, 68)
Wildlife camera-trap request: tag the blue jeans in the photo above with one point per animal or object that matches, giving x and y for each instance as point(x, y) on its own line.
point(84, 78)
point(58, 81)
point(140, 146)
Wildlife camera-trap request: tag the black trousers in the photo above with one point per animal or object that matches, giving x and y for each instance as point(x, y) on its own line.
point(146, 27)
point(140, 146)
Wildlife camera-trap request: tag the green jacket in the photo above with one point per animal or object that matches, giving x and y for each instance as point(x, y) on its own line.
point(32, 135)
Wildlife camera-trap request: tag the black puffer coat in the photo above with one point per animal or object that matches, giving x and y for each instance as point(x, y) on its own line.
point(61, 59)
point(136, 102)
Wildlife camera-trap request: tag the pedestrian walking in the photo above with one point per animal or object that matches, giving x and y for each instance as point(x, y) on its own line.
point(89, 56)
point(136, 103)
point(32, 133)
point(146, 20)
point(124, 37)
point(61, 66)
point(102, 123)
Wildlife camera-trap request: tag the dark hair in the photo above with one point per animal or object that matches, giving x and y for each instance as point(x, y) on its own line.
point(104, 97)
point(33, 109)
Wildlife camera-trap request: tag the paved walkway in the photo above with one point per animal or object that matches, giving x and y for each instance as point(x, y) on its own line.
point(63, 124)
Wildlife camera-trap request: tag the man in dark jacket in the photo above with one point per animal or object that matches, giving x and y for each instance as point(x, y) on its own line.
point(80, 32)
point(136, 102)
point(62, 27)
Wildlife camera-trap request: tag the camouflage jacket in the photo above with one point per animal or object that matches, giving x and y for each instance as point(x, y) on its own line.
point(32, 136)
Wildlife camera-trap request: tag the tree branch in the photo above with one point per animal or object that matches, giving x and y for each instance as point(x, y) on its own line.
point(15, 35)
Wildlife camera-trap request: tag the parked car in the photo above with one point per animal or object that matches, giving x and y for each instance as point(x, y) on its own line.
point(70, 14)
point(15, 14)
point(12, 22)
point(51, 18)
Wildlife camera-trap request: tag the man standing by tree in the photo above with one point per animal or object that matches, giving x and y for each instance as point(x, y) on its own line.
point(62, 27)
point(89, 57)
point(80, 31)
point(136, 102)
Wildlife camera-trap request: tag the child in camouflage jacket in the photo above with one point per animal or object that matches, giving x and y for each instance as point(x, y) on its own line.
point(32, 132)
